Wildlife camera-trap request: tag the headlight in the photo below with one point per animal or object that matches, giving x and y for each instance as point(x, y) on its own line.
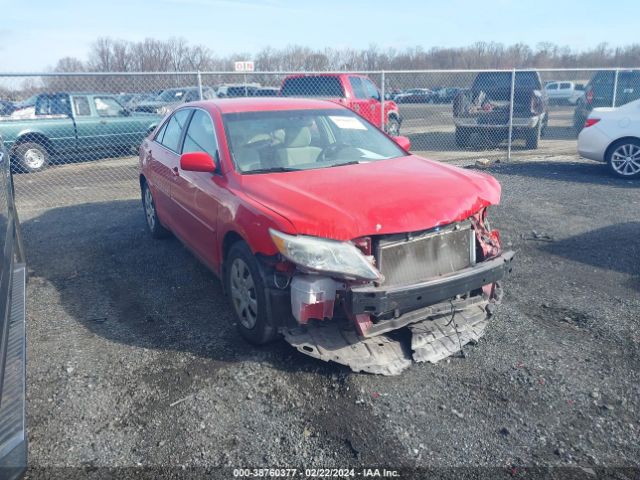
point(330, 256)
point(163, 110)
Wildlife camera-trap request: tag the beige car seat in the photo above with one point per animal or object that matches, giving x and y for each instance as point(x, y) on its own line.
point(296, 148)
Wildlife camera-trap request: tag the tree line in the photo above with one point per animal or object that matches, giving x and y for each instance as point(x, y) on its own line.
point(176, 55)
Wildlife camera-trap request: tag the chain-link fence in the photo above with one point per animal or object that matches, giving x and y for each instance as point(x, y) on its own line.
point(74, 136)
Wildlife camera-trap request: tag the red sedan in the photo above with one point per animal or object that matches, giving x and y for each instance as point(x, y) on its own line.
point(327, 230)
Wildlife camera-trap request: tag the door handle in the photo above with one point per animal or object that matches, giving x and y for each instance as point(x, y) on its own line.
point(176, 172)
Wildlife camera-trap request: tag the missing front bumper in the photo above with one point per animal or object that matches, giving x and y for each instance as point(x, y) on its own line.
point(432, 339)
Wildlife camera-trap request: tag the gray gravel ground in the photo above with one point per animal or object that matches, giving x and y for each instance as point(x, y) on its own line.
point(133, 360)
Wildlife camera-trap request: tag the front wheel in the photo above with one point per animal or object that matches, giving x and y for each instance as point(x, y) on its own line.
point(31, 157)
point(623, 158)
point(393, 127)
point(246, 291)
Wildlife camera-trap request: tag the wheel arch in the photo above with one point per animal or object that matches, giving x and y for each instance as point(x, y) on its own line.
point(34, 137)
point(617, 141)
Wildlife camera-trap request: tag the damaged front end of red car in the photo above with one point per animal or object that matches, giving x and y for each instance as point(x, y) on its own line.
point(442, 284)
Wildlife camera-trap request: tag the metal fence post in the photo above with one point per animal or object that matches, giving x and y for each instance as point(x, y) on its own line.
point(615, 88)
point(199, 85)
point(382, 102)
point(512, 95)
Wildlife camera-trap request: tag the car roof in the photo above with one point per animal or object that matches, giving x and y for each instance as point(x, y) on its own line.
point(259, 104)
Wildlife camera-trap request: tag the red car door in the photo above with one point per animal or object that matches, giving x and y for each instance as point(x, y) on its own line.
point(163, 158)
point(196, 194)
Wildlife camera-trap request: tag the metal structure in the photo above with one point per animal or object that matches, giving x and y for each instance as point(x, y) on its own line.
point(89, 124)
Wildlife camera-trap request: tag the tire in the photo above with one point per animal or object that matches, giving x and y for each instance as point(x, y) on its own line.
point(151, 214)
point(243, 283)
point(393, 127)
point(532, 137)
point(31, 157)
point(623, 158)
point(463, 137)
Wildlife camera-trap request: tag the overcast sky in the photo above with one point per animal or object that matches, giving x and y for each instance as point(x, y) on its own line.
point(34, 34)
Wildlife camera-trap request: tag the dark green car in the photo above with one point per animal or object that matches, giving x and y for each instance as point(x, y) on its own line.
point(62, 125)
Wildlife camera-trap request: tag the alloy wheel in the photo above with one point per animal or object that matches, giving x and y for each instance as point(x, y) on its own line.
point(625, 160)
point(149, 209)
point(243, 293)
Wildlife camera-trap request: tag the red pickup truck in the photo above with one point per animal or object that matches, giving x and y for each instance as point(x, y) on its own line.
point(356, 92)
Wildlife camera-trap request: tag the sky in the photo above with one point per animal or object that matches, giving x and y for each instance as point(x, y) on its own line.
point(34, 34)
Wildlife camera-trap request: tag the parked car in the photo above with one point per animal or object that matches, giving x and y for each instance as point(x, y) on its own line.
point(169, 99)
point(445, 95)
point(482, 112)
point(415, 95)
point(599, 93)
point(73, 123)
point(564, 92)
point(266, 92)
point(13, 431)
point(132, 100)
point(612, 135)
point(313, 218)
point(6, 108)
point(356, 92)
point(237, 90)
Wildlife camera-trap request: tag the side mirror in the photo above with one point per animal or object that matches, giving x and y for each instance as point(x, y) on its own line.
point(403, 142)
point(197, 162)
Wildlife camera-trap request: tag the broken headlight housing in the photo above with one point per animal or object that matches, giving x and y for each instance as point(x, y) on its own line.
point(333, 257)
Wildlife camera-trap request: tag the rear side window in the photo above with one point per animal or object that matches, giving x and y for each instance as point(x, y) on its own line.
point(172, 133)
point(318, 86)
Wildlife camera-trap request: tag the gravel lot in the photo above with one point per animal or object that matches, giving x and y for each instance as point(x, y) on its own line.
point(133, 361)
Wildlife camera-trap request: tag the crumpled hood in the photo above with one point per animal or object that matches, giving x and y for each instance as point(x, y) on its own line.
point(387, 196)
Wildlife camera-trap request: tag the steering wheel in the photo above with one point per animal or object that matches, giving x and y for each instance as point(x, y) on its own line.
point(331, 150)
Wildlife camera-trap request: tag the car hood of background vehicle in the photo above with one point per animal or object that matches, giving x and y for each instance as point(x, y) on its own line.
point(387, 196)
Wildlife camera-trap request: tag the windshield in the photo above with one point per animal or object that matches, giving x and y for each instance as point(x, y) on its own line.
point(304, 140)
point(502, 80)
point(309, 86)
point(173, 95)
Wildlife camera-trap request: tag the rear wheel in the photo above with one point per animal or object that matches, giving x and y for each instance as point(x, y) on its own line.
point(623, 158)
point(153, 222)
point(246, 290)
point(31, 157)
point(532, 137)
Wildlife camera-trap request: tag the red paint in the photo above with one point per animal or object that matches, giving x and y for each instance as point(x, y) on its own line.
point(362, 322)
point(317, 311)
point(345, 203)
